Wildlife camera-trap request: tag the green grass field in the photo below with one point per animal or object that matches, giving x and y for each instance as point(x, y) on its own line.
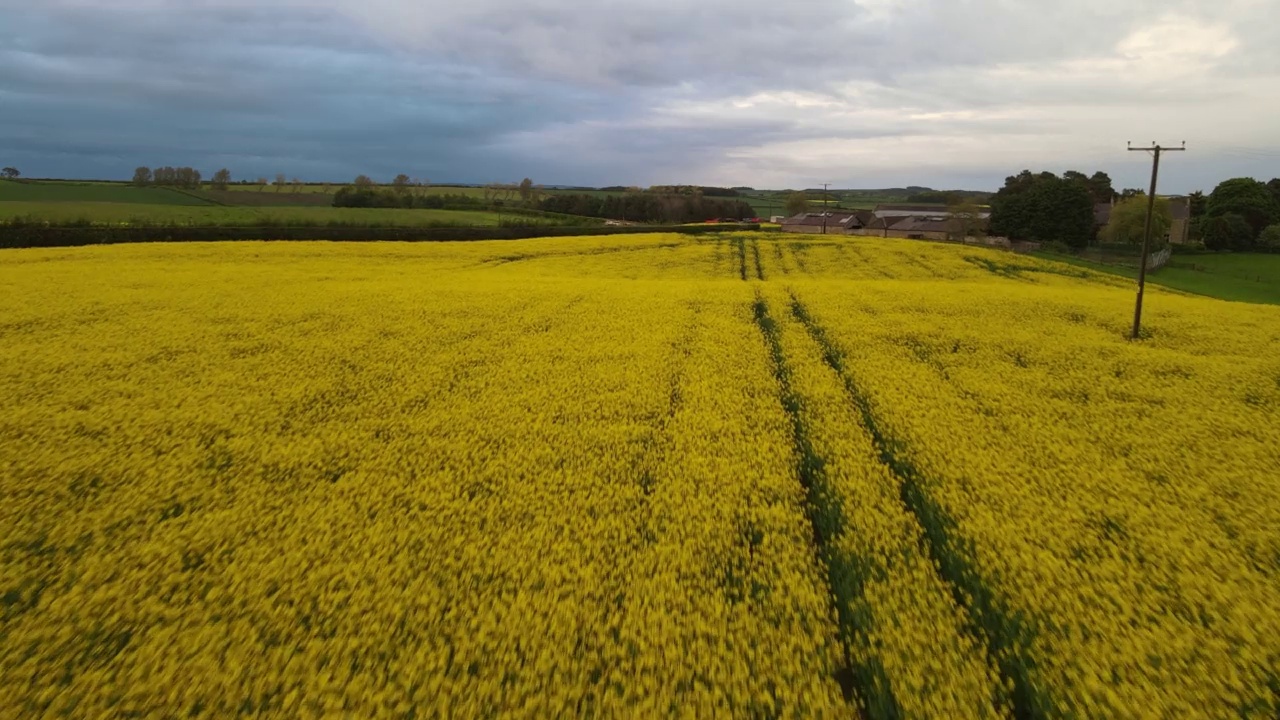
point(764, 203)
point(1241, 277)
point(111, 213)
point(334, 187)
point(63, 192)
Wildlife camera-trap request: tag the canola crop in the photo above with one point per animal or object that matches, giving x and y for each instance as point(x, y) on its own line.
point(745, 475)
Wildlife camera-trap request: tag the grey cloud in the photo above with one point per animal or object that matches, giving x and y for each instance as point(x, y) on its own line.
point(605, 91)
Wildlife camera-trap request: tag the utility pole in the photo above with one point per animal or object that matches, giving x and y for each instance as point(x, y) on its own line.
point(1146, 232)
point(824, 208)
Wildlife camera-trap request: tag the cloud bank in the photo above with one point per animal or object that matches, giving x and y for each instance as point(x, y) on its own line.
point(858, 94)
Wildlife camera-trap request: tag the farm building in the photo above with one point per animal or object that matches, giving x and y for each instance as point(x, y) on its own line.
point(834, 221)
point(878, 227)
point(901, 210)
point(1102, 214)
point(1180, 230)
point(918, 227)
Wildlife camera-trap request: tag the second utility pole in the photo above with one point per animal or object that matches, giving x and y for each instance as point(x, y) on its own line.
point(824, 208)
point(1146, 232)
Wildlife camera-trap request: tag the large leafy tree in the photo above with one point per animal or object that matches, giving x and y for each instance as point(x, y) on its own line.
point(1270, 238)
point(1247, 198)
point(1043, 207)
point(797, 203)
point(1098, 184)
point(1129, 222)
point(1228, 231)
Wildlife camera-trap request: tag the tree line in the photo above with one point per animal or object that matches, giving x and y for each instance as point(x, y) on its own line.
point(649, 206)
point(663, 204)
point(182, 177)
point(705, 190)
point(1240, 213)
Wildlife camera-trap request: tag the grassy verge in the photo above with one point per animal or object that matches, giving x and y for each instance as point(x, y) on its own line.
point(1243, 277)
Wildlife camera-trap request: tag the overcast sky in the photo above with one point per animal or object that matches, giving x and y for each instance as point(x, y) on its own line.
point(766, 93)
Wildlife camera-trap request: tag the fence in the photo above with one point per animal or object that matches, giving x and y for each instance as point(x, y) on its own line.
point(1158, 260)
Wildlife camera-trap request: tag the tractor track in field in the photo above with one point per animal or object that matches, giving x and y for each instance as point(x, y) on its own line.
point(1006, 637)
point(865, 680)
point(506, 259)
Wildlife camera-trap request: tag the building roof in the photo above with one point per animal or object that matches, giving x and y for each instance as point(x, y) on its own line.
point(884, 223)
point(913, 210)
point(832, 218)
point(912, 207)
point(925, 224)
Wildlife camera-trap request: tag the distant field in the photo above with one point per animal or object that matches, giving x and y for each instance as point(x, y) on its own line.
point(107, 213)
point(288, 189)
point(774, 202)
point(267, 199)
point(764, 203)
point(1243, 277)
point(64, 192)
point(334, 187)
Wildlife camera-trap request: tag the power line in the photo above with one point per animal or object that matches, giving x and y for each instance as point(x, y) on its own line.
point(1146, 232)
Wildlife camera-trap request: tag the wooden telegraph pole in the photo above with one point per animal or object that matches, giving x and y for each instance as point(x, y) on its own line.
point(1146, 232)
point(824, 208)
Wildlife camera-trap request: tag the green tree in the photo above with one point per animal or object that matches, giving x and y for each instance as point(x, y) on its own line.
point(10, 173)
point(221, 179)
point(1100, 185)
point(1129, 221)
point(400, 184)
point(142, 176)
point(364, 182)
point(1270, 238)
point(1246, 197)
point(1229, 231)
point(1043, 208)
point(526, 190)
point(1077, 177)
point(797, 203)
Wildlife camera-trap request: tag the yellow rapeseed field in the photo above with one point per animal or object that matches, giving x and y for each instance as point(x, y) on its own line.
point(751, 475)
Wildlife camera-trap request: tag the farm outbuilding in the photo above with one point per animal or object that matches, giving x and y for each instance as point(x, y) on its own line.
point(919, 227)
point(901, 210)
point(831, 221)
